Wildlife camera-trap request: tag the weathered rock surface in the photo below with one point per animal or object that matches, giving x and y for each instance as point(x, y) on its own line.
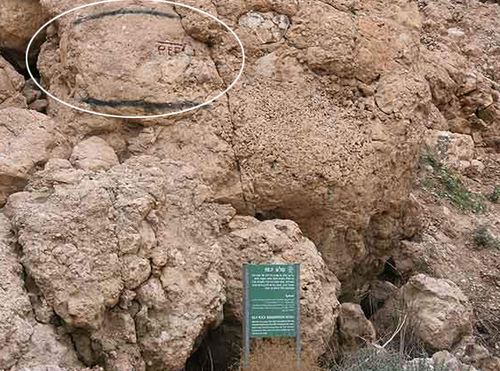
point(314, 160)
point(463, 67)
point(279, 155)
point(471, 352)
point(355, 331)
point(150, 239)
point(439, 360)
point(454, 150)
point(19, 20)
point(324, 128)
point(93, 154)
point(26, 141)
point(439, 310)
point(11, 84)
point(165, 70)
point(154, 260)
point(23, 341)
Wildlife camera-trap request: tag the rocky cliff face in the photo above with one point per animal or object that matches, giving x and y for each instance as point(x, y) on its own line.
point(129, 234)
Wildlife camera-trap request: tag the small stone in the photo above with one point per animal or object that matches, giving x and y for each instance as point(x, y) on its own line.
point(456, 33)
point(477, 165)
point(31, 91)
point(39, 105)
point(94, 154)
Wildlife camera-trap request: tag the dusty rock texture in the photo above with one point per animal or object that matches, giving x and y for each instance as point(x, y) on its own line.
point(24, 341)
point(27, 141)
point(299, 162)
point(462, 54)
point(165, 69)
point(11, 85)
point(355, 330)
point(19, 20)
point(275, 155)
point(152, 265)
point(132, 232)
point(94, 154)
point(440, 311)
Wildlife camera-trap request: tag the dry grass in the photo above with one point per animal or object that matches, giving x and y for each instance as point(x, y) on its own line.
point(277, 355)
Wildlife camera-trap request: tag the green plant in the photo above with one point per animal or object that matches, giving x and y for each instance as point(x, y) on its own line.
point(371, 359)
point(495, 195)
point(448, 185)
point(484, 239)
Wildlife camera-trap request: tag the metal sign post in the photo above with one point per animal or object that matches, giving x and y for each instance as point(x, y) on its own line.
point(297, 315)
point(271, 304)
point(246, 316)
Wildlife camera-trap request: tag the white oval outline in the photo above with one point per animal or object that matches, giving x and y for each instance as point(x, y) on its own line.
point(243, 60)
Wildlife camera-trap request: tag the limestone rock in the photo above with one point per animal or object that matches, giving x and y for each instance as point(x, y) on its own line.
point(265, 27)
point(355, 331)
point(26, 141)
point(94, 154)
point(94, 266)
point(14, 304)
point(163, 252)
point(471, 352)
point(463, 72)
point(11, 84)
point(332, 55)
point(153, 79)
point(439, 360)
point(445, 359)
point(324, 162)
point(440, 311)
point(19, 20)
point(23, 341)
point(55, 7)
point(304, 160)
point(451, 148)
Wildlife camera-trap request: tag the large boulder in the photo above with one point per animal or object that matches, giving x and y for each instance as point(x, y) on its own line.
point(11, 85)
point(324, 159)
point(24, 341)
point(439, 311)
point(146, 241)
point(165, 69)
point(323, 151)
point(144, 261)
point(19, 20)
point(27, 139)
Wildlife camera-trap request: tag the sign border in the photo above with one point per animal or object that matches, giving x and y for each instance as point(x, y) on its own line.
point(246, 311)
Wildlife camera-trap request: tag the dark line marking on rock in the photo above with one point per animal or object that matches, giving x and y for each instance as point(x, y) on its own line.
point(147, 106)
point(122, 11)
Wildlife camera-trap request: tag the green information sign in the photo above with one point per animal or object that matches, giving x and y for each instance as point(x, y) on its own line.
point(271, 302)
